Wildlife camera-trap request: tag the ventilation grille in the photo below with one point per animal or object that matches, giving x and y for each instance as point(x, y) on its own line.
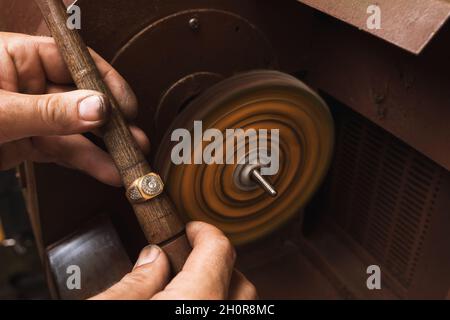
point(383, 194)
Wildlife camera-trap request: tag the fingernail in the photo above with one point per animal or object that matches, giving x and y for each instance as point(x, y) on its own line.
point(92, 108)
point(148, 255)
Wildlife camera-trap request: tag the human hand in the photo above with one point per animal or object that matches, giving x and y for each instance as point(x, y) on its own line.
point(42, 120)
point(207, 274)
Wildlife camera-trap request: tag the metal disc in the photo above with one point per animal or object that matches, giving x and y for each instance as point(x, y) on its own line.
point(258, 100)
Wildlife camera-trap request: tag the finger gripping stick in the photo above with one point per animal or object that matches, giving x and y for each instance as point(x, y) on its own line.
point(157, 216)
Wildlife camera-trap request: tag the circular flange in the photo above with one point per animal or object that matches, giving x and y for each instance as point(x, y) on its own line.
point(173, 59)
point(255, 100)
point(179, 95)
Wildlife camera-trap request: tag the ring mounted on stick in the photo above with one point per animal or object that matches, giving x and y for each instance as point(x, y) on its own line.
point(145, 188)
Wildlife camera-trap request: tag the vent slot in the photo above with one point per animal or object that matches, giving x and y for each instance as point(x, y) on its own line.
point(382, 194)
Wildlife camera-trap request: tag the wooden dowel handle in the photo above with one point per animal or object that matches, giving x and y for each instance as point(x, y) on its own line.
point(157, 217)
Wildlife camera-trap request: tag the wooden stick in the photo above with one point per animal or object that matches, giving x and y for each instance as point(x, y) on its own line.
point(157, 217)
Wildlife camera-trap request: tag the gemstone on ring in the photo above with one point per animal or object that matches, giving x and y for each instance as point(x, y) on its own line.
point(134, 194)
point(151, 185)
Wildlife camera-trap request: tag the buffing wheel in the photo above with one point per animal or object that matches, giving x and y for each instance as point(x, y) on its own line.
point(258, 100)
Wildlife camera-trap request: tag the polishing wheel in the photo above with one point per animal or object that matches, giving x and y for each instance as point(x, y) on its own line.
point(237, 197)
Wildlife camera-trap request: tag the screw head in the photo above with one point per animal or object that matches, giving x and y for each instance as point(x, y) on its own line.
point(194, 23)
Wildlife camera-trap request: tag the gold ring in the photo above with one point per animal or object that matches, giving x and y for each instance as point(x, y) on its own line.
point(145, 188)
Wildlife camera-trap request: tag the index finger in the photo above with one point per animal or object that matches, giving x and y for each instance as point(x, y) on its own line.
point(43, 53)
point(116, 83)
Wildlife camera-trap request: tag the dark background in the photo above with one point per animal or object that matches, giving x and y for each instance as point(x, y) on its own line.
point(21, 275)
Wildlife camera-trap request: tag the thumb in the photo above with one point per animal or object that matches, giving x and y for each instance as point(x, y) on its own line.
point(148, 277)
point(51, 114)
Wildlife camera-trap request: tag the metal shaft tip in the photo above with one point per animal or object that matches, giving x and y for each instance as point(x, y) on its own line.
point(257, 177)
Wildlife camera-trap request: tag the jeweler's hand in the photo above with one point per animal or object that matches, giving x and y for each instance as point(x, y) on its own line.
point(207, 274)
point(42, 116)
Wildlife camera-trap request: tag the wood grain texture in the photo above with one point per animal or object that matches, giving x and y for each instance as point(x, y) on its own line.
point(157, 217)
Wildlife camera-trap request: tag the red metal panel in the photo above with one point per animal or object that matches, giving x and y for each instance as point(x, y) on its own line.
point(405, 94)
point(409, 24)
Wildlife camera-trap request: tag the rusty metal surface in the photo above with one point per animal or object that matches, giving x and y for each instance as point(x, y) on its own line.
point(178, 96)
point(407, 95)
point(23, 16)
point(392, 202)
point(276, 21)
point(409, 24)
point(19, 16)
point(188, 51)
point(158, 48)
